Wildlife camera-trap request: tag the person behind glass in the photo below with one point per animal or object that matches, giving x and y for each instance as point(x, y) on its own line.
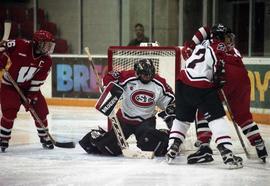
point(140, 37)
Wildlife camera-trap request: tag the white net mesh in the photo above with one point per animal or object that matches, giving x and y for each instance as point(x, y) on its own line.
point(164, 59)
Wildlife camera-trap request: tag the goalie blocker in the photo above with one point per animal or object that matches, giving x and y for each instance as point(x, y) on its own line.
point(109, 98)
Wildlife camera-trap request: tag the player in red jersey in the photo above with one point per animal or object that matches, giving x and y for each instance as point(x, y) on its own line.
point(197, 89)
point(237, 90)
point(30, 66)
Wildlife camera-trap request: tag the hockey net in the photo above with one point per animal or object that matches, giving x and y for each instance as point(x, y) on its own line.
point(167, 61)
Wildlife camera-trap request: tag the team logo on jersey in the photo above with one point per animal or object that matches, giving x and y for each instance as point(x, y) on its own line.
point(143, 98)
point(222, 47)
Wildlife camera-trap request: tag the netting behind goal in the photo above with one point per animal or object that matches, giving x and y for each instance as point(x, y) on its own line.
point(166, 60)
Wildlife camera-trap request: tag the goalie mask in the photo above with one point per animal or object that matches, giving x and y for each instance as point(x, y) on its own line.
point(219, 32)
point(145, 70)
point(43, 42)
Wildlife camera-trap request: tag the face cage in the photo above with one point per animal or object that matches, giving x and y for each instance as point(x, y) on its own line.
point(230, 41)
point(45, 47)
point(145, 78)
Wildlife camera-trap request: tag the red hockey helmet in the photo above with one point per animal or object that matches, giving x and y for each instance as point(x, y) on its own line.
point(43, 42)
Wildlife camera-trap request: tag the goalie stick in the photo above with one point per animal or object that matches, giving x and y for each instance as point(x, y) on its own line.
point(33, 112)
point(127, 152)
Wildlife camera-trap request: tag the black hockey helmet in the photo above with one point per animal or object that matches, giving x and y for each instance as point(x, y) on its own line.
point(219, 31)
point(145, 70)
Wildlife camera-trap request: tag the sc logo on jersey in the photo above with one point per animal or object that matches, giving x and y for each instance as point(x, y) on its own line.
point(143, 98)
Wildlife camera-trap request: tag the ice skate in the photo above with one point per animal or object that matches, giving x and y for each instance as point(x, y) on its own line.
point(46, 143)
point(203, 155)
point(173, 151)
point(3, 145)
point(230, 160)
point(261, 150)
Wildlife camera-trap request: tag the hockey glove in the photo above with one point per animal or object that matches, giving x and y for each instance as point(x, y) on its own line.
point(32, 100)
point(219, 76)
point(3, 46)
point(188, 49)
point(170, 109)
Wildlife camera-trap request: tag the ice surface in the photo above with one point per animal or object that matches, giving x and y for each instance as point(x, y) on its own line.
point(26, 163)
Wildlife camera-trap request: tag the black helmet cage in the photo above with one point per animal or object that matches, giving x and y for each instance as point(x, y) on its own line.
point(145, 67)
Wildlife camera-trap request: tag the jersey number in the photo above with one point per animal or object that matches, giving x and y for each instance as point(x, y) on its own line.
point(199, 58)
point(26, 74)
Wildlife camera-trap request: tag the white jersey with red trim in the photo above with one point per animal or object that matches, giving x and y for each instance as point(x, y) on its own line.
point(200, 67)
point(140, 100)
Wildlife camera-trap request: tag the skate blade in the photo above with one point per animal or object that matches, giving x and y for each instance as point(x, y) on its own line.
point(232, 166)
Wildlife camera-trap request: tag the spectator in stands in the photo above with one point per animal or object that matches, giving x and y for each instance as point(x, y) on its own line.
point(140, 37)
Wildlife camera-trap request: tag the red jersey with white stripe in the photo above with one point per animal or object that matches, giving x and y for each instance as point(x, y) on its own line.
point(140, 100)
point(28, 71)
point(201, 65)
point(233, 56)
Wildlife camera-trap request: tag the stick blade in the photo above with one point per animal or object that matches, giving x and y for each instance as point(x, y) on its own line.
point(7, 28)
point(138, 154)
point(67, 145)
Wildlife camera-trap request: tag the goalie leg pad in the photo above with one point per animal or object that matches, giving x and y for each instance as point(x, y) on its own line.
point(108, 144)
point(154, 140)
point(88, 142)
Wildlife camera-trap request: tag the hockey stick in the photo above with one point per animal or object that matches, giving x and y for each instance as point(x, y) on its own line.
point(234, 124)
point(7, 29)
point(127, 152)
point(33, 112)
